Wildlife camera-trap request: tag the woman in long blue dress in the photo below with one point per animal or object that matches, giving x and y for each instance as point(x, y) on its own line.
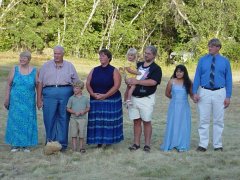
point(105, 118)
point(178, 128)
point(21, 130)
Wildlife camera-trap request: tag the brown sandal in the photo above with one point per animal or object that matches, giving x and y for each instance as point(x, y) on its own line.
point(134, 147)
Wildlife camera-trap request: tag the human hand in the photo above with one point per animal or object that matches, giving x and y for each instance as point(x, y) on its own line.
point(39, 104)
point(80, 113)
point(226, 102)
point(132, 81)
point(101, 96)
point(77, 113)
point(196, 98)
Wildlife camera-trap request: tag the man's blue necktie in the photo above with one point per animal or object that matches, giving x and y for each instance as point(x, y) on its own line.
point(212, 73)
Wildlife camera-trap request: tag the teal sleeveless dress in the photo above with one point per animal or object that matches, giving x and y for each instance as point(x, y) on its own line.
point(21, 130)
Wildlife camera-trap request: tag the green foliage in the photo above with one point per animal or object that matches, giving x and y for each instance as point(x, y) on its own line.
point(82, 28)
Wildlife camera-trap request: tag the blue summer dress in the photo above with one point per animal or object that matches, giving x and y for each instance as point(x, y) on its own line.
point(178, 127)
point(105, 118)
point(21, 130)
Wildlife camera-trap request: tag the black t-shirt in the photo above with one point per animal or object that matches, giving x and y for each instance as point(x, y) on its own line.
point(154, 72)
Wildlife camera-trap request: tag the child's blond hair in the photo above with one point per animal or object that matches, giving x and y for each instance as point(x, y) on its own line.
point(78, 84)
point(132, 51)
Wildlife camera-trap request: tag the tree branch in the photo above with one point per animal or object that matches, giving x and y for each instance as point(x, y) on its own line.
point(139, 12)
point(95, 4)
point(184, 16)
point(113, 19)
point(9, 7)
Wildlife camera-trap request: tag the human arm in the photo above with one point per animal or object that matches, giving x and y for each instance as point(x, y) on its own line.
point(75, 113)
point(228, 83)
point(71, 111)
point(191, 93)
point(37, 84)
point(88, 85)
point(197, 78)
point(146, 82)
point(168, 89)
point(8, 88)
point(196, 83)
point(153, 78)
point(132, 71)
point(226, 102)
point(85, 111)
point(69, 107)
point(39, 95)
point(75, 76)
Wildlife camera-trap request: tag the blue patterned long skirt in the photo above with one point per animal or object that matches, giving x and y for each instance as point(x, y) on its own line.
point(105, 121)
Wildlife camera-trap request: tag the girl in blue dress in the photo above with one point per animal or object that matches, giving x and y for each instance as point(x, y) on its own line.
point(178, 128)
point(21, 130)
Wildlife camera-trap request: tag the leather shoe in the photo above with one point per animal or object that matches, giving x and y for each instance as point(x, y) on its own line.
point(218, 149)
point(201, 149)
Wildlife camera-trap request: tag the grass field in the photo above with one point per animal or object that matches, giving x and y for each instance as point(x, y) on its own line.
point(117, 162)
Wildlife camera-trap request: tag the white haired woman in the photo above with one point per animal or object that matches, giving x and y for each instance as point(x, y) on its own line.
point(21, 130)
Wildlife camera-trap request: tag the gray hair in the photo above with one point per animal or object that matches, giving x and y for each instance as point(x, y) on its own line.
point(26, 54)
point(59, 47)
point(215, 42)
point(153, 49)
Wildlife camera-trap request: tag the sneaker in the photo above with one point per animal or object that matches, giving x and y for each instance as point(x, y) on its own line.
point(14, 149)
point(26, 150)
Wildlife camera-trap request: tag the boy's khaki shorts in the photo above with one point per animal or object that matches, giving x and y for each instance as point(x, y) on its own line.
point(78, 127)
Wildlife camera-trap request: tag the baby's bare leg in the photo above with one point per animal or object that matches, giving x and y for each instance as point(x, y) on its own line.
point(130, 91)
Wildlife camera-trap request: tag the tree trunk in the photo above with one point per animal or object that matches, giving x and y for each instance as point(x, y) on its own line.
point(113, 19)
point(64, 21)
point(148, 36)
point(133, 19)
point(9, 7)
point(94, 7)
point(184, 16)
point(105, 32)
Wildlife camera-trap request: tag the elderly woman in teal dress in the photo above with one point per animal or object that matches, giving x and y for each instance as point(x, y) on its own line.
point(21, 129)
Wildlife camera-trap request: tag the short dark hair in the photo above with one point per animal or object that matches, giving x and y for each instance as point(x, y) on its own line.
point(107, 53)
